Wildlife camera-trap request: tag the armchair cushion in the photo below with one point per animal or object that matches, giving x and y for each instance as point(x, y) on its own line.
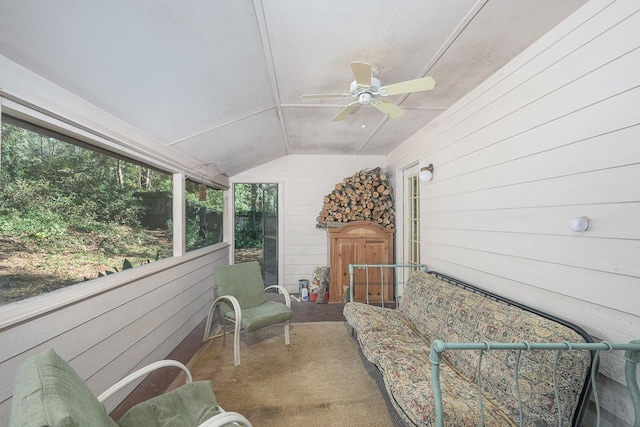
point(268, 313)
point(243, 281)
point(49, 392)
point(188, 405)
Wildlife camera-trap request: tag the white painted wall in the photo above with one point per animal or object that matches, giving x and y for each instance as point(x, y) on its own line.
point(304, 181)
point(139, 319)
point(553, 135)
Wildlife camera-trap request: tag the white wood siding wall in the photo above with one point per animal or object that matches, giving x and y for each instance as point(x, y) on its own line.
point(304, 180)
point(553, 135)
point(111, 334)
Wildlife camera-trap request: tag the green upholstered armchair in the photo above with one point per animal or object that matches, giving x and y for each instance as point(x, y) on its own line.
point(48, 392)
point(242, 300)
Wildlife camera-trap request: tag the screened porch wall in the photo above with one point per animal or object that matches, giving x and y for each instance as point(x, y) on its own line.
point(551, 136)
point(106, 336)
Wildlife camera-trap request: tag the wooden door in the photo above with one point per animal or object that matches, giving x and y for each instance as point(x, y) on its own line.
point(375, 251)
point(345, 253)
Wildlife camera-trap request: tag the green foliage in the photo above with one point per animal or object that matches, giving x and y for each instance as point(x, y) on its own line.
point(248, 215)
point(203, 224)
point(246, 236)
point(72, 210)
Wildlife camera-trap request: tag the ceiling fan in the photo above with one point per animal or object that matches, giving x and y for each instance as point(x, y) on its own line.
point(367, 90)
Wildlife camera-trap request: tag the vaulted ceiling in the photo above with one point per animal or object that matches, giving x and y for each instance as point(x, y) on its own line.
point(221, 80)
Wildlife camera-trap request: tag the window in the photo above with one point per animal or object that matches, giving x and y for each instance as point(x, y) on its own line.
point(71, 212)
point(412, 219)
point(203, 212)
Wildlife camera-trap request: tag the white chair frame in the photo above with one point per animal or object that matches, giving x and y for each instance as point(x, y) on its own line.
point(238, 321)
point(215, 421)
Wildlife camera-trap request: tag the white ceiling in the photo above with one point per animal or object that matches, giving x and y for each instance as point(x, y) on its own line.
point(220, 80)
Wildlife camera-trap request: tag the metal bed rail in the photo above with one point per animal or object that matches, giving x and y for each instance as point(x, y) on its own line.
point(632, 357)
point(366, 267)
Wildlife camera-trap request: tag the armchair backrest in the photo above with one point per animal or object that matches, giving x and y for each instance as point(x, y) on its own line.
point(48, 392)
point(243, 281)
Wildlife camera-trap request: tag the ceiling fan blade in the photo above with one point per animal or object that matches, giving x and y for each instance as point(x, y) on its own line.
point(388, 108)
point(324, 95)
point(345, 111)
point(417, 85)
point(362, 73)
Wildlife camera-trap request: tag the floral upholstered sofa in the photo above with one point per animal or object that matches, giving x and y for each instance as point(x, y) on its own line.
point(397, 342)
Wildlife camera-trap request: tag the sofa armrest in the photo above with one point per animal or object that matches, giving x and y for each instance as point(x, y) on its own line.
point(632, 357)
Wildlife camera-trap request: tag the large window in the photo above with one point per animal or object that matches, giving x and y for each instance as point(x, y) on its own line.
point(70, 212)
point(203, 215)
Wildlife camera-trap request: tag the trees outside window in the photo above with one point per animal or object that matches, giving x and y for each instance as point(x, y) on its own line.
point(203, 212)
point(70, 212)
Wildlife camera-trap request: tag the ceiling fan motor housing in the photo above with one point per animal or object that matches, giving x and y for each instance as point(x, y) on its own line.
point(356, 90)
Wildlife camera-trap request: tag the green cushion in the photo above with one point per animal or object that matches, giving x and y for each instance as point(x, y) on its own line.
point(263, 315)
point(189, 405)
point(48, 392)
point(243, 281)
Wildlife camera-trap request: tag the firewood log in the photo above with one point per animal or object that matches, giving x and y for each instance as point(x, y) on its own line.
point(366, 195)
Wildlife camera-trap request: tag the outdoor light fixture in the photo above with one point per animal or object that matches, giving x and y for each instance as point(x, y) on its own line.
point(582, 223)
point(426, 173)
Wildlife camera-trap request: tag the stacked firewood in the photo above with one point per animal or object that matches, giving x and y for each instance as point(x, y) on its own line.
point(364, 196)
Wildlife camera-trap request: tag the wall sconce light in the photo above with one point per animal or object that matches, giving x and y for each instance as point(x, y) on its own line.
point(426, 173)
point(582, 223)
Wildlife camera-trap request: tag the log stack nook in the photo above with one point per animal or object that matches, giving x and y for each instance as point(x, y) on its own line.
point(364, 196)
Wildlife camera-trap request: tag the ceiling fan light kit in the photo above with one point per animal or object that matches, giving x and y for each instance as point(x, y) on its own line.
point(368, 90)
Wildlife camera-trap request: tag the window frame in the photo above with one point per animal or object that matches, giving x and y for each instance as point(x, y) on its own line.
point(23, 310)
point(412, 219)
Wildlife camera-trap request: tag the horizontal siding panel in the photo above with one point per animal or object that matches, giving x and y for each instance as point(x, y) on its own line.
point(150, 348)
point(47, 327)
point(320, 259)
point(159, 353)
point(610, 116)
point(138, 328)
point(306, 232)
point(606, 255)
point(602, 152)
point(608, 220)
point(617, 185)
point(572, 83)
point(593, 287)
point(301, 271)
point(536, 76)
point(294, 220)
point(303, 249)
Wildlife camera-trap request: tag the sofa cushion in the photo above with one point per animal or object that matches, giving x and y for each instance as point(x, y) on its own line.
point(444, 311)
point(398, 342)
point(408, 379)
point(48, 392)
point(189, 405)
